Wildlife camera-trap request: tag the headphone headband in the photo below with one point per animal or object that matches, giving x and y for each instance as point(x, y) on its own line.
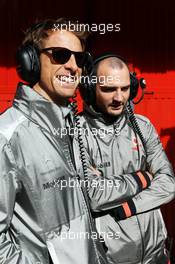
point(107, 55)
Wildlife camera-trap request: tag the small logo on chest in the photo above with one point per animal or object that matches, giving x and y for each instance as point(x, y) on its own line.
point(135, 144)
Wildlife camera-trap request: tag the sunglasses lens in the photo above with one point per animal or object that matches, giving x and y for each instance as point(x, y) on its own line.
point(80, 59)
point(61, 56)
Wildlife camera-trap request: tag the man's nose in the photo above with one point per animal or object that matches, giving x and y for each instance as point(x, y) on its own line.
point(118, 95)
point(71, 64)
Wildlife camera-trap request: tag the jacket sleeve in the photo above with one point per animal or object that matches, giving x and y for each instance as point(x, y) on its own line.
point(162, 188)
point(9, 251)
point(107, 193)
point(110, 191)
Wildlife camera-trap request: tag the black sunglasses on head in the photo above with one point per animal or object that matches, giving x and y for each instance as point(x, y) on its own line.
point(62, 55)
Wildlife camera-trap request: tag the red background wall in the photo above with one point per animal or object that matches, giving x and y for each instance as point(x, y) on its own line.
point(146, 39)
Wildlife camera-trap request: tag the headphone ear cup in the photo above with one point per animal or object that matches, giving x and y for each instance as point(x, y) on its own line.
point(87, 89)
point(134, 86)
point(28, 64)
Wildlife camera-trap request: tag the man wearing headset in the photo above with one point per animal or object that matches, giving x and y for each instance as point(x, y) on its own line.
point(43, 219)
point(129, 145)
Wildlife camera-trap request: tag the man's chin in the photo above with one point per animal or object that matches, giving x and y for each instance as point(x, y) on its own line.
point(115, 112)
point(66, 92)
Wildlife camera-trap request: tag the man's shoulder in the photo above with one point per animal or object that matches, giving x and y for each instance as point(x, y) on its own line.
point(142, 119)
point(145, 124)
point(9, 121)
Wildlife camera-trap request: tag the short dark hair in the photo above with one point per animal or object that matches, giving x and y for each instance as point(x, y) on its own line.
point(42, 29)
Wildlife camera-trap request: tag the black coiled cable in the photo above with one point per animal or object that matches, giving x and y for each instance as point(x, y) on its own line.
point(85, 171)
point(80, 140)
point(135, 124)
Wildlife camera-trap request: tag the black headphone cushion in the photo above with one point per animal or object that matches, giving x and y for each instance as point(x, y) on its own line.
point(134, 86)
point(28, 64)
point(87, 89)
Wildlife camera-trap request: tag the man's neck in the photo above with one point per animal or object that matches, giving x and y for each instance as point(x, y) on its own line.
point(107, 117)
point(48, 96)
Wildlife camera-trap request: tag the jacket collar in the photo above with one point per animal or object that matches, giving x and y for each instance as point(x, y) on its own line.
point(46, 114)
point(99, 121)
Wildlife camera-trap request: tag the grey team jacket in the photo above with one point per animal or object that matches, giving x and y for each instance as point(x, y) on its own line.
point(42, 206)
point(39, 210)
point(115, 149)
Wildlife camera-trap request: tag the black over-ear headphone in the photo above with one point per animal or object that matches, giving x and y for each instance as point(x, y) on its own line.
point(28, 63)
point(27, 58)
point(88, 83)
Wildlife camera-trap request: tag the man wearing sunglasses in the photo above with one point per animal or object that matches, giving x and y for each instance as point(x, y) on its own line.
point(44, 214)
